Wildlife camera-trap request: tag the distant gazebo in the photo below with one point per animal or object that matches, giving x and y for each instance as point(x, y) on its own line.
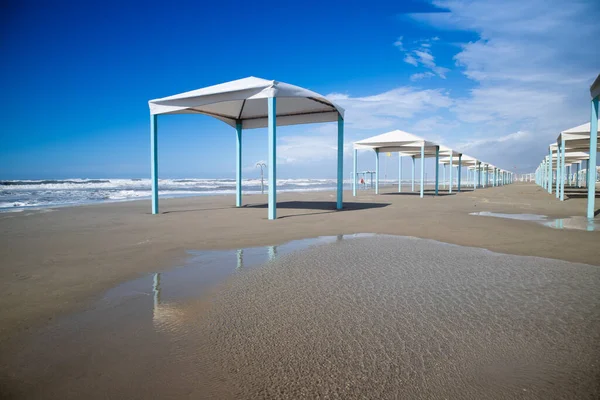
point(247, 104)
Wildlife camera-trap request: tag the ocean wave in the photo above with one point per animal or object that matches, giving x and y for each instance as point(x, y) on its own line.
point(22, 194)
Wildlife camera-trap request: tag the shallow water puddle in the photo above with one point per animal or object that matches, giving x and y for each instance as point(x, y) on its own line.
point(204, 269)
point(578, 223)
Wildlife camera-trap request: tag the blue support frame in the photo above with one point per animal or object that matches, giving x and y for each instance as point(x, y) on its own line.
point(549, 177)
point(376, 171)
point(459, 171)
point(422, 170)
point(272, 127)
point(238, 165)
point(562, 170)
point(399, 173)
point(592, 160)
point(558, 172)
point(437, 168)
point(154, 161)
point(340, 164)
point(450, 172)
point(354, 161)
point(413, 174)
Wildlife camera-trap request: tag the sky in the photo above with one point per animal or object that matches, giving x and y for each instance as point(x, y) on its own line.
point(495, 80)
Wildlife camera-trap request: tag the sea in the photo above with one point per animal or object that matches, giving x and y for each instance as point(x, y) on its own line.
point(18, 195)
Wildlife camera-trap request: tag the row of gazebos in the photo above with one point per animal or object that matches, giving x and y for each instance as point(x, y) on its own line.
point(573, 147)
point(251, 103)
point(414, 147)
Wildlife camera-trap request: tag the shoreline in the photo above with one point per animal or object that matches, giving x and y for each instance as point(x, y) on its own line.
point(57, 262)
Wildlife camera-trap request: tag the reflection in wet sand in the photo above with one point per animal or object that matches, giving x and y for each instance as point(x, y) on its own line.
point(368, 317)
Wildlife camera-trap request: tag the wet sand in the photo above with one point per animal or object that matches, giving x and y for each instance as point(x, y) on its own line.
point(57, 262)
point(367, 317)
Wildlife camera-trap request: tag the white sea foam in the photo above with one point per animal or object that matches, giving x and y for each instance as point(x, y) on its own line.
point(26, 194)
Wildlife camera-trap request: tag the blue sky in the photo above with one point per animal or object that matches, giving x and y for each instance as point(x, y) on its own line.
point(496, 80)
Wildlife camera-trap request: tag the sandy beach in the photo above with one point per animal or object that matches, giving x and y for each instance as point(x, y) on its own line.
point(57, 261)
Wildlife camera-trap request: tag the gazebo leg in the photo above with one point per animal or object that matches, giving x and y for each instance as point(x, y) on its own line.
point(340, 163)
point(437, 169)
point(376, 171)
point(450, 173)
point(154, 161)
point(592, 160)
point(399, 173)
point(558, 172)
point(459, 171)
point(422, 169)
point(355, 153)
point(272, 102)
point(413, 174)
point(238, 166)
point(550, 172)
point(444, 175)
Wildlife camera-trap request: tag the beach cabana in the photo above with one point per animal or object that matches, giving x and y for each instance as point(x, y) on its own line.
point(405, 144)
point(460, 163)
point(576, 140)
point(251, 103)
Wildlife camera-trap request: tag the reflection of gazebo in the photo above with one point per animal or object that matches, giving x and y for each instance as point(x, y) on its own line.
point(247, 104)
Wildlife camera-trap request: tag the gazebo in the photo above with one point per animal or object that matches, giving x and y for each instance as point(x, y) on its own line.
point(574, 141)
point(251, 103)
point(405, 144)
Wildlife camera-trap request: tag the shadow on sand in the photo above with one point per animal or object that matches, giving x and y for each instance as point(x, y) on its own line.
point(326, 206)
point(426, 192)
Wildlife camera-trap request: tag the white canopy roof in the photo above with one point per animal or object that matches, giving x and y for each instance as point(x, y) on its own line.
point(403, 142)
point(465, 160)
point(245, 101)
point(577, 138)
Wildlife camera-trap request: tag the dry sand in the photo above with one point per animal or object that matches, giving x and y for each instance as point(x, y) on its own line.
point(55, 262)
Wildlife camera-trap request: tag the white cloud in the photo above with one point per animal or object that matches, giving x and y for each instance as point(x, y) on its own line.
point(422, 56)
point(398, 43)
point(388, 109)
point(531, 65)
point(422, 75)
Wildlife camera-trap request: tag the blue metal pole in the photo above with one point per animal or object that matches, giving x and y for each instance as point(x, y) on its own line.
point(355, 152)
point(272, 102)
point(558, 171)
point(399, 173)
point(376, 171)
point(459, 170)
point(238, 166)
point(413, 174)
point(592, 160)
point(422, 169)
point(485, 174)
point(340, 163)
point(444, 175)
point(437, 168)
point(450, 172)
point(549, 177)
point(154, 161)
point(577, 173)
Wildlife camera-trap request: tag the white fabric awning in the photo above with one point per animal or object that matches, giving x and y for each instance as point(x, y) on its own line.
point(403, 142)
point(577, 138)
point(245, 101)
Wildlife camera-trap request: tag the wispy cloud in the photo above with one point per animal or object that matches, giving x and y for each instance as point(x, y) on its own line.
point(422, 56)
point(530, 71)
point(421, 75)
